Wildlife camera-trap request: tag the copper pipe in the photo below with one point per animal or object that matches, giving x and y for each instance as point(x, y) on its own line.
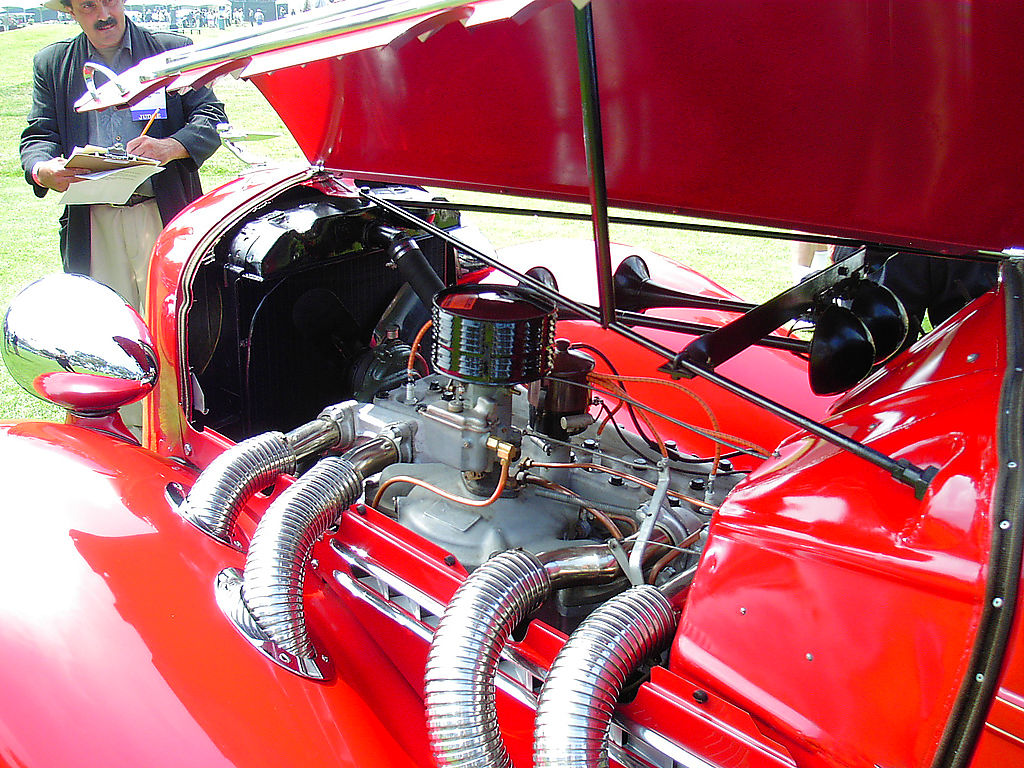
point(600, 516)
point(498, 490)
point(411, 367)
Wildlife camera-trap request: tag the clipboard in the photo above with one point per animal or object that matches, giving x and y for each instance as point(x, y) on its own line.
point(93, 158)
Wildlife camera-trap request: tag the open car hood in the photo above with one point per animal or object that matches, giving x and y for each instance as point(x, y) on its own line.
point(884, 120)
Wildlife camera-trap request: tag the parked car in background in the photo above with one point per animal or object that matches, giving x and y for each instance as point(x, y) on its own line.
point(14, 20)
point(404, 500)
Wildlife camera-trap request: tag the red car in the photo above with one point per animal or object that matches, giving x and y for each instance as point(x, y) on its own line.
point(401, 500)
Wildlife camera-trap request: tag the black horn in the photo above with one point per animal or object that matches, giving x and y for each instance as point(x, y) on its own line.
point(635, 291)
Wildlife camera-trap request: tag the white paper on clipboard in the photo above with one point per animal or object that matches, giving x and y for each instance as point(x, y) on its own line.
point(114, 186)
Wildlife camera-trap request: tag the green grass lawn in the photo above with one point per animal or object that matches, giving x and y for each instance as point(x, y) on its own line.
point(753, 268)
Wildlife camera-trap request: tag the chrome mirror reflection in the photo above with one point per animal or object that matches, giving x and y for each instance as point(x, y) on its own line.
point(74, 342)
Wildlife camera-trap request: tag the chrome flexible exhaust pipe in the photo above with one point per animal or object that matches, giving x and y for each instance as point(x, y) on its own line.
point(463, 659)
point(462, 663)
point(265, 602)
point(281, 547)
point(578, 699)
point(232, 478)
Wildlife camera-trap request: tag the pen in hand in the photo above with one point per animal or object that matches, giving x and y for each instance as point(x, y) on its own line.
point(145, 130)
point(148, 124)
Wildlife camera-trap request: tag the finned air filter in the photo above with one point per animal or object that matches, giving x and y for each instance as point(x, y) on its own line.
point(493, 334)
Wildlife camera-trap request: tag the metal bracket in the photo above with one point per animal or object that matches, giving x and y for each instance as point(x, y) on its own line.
point(89, 70)
point(228, 592)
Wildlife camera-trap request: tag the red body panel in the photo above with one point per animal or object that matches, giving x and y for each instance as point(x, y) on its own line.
point(845, 620)
point(833, 615)
point(109, 629)
point(862, 118)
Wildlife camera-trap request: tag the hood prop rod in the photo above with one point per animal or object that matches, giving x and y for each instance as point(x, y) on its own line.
point(593, 144)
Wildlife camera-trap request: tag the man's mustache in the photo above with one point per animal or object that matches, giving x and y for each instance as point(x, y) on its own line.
point(105, 24)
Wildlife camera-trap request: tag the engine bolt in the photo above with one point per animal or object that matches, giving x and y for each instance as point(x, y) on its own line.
point(701, 697)
point(449, 560)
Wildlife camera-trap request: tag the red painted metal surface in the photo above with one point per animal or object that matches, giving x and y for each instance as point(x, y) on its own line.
point(87, 392)
point(117, 636)
point(862, 118)
point(113, 652)
point(832, 616)
point(829, 600)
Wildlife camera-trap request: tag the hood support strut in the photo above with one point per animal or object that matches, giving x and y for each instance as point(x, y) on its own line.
point(593, 143)
point(586, 51)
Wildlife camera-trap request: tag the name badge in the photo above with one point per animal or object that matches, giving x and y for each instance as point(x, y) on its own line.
point(155, 103)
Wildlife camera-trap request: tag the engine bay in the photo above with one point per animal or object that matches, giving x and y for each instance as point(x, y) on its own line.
point(303, 306)
point(298, 308)
point(389, 367)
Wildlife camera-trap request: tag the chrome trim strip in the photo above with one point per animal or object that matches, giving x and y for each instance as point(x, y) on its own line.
point(311, 25)
point(1010, 704)
point(355, 559)
point(1005, 734)
point(658, 752)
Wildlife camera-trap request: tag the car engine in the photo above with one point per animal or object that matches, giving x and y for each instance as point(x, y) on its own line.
point(475, 428)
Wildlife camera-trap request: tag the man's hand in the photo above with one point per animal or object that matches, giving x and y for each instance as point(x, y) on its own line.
point(163, 150)
point(53, 175)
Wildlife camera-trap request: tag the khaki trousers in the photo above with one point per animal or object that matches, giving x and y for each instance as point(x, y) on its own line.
point(122, 242)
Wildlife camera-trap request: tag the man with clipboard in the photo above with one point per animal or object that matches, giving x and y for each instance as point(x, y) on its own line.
point(113, 243)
